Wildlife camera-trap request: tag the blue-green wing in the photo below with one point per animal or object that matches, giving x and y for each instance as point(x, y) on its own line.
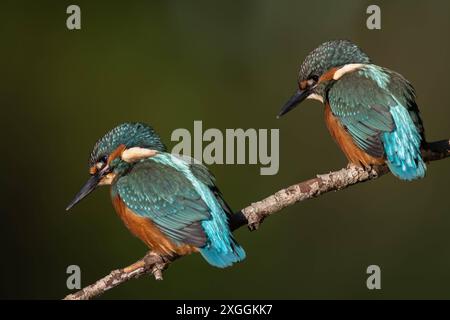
point(406, 95)
point(362, 100)
point(166, 196)
point(377, 107)
point(206, 177)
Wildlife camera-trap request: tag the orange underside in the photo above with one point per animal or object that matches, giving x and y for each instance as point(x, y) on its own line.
point(145, 229)
point(353, 153)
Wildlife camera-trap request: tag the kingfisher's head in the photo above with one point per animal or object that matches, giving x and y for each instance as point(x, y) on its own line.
point(116, 151)
point(318, 65)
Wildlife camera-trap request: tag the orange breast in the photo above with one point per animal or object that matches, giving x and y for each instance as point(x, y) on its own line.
point(145, 229)
point(353, 153)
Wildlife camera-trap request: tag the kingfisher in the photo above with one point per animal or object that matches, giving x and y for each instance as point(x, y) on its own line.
point(370, 111)
point(168, 201)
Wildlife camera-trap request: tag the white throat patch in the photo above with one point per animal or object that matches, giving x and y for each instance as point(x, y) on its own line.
point(315, 96)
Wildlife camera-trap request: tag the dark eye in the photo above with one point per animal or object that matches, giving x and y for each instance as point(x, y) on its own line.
point(103, 159)
point(313, 77)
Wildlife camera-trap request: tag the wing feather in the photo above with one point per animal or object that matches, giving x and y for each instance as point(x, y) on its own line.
point(363, 106)
point(166, 196)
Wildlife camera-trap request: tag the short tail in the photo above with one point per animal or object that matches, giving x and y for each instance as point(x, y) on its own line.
point(223, 258)
point(408, 173)
point(402, 147)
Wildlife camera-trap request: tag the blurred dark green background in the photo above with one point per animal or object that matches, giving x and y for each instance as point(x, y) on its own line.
point(231, 64)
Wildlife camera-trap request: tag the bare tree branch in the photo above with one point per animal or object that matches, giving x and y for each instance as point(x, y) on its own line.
point(254, 214)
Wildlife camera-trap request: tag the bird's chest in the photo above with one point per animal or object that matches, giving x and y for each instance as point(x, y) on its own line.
point(147, 231)
point(345, 141)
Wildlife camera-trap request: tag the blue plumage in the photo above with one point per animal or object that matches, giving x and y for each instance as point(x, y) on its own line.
point(370, 111)
point(223, 259)
point(180, 197)
point(221, 250)
point(170, 202)
point(402, 147)
point(377, 108)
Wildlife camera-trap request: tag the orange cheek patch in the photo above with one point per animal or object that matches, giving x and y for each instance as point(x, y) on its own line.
point(303, 84)
point(93, 170)
point(116, 153)
point(327, 76)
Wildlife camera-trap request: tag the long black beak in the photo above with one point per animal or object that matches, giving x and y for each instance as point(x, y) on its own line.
point(88, 187)
point(296, 98)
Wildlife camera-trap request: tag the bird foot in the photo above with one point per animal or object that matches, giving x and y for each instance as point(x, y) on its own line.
point(351, 165)
point(361, 166)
